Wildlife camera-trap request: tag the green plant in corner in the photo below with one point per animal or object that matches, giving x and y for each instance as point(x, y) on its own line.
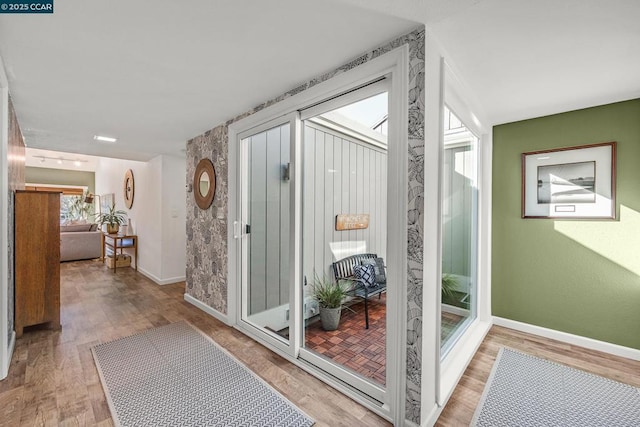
point(113, 218)
point(449, 286)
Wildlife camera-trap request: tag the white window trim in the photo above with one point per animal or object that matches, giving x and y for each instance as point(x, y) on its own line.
point(448, 372)
point(395, 65)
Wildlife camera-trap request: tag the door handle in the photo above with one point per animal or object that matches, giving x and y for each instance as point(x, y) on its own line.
point(239, 229)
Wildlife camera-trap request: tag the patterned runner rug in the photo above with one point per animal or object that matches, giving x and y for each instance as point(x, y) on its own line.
point(174, 375)
point(524, 390)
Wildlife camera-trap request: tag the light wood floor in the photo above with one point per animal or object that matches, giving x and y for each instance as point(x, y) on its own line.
point(53, 379)
point(460, 408)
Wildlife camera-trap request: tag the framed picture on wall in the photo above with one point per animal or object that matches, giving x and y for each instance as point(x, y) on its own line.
point(106, 201)
point(571, 182)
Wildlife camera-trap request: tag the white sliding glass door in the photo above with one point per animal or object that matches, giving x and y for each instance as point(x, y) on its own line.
point(344, 175)
point(265, 230)
point(301, 175)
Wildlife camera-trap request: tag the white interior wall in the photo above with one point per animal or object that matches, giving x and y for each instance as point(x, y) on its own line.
point(158, 212)
point(342, 175)
point(174, 214)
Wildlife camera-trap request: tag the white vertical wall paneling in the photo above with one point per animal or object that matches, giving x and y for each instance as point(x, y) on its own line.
point(285, 214)
point(273, 181)
point(346, 187)
point(361, 189)
point(353, 187)
point(257, 237)
point(319, 199)
point(269, 219)
point(367, 184)
point(338, 187)
point(329, 208)
point(341, 175)
point(307, 204)
point(458, 188)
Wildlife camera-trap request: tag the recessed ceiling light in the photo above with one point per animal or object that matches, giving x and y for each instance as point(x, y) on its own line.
point(77, 163)
point(104, 138)
point(59, 161)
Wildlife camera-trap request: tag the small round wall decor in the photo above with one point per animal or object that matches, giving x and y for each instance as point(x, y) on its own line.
point(204, 184)
point(129, 188)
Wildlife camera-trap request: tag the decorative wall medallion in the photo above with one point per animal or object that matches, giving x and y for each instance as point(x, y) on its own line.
point(204, 184)
point(129, 188)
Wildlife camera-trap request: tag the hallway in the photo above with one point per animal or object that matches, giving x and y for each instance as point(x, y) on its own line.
point(53, 379)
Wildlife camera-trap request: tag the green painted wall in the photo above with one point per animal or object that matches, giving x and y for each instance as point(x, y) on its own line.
point(60, 177)
point(580, 277)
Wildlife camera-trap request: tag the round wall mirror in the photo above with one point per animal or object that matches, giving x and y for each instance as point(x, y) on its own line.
point(129, 188)
point(204, 183)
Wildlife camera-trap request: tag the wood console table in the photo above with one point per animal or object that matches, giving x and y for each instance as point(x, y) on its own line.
point(117, 241)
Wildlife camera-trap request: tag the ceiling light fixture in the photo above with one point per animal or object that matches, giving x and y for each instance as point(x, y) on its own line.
point(59, 160)
point(104, 138)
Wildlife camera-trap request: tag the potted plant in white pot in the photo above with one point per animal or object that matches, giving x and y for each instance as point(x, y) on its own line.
point(113, 218)
point(329, 295)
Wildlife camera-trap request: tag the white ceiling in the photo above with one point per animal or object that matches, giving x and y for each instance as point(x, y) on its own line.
point(526, 59)
point(156, 73)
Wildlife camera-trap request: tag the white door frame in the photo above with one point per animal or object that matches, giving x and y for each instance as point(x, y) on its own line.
point(373, 390)
point(6, 347)
point(394, 65)
point(241, 236)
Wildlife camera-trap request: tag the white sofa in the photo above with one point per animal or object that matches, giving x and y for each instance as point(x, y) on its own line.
point(80, 241)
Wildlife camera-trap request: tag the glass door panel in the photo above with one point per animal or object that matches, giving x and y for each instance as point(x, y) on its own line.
point(459, 225)
point(266, 224)
point(344, 209)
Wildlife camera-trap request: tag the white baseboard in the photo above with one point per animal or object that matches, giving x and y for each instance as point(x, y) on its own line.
point(159, 281)
point(605, 347)
point(202, 306)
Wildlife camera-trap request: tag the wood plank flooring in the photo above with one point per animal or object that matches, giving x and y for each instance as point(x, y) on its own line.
point(53, 380)
point(462, 404)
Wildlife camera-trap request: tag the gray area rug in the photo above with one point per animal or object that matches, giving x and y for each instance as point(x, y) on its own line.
point(524, 390)
point(174, 375)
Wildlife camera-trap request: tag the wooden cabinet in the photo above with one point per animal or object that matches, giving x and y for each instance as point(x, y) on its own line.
point(37, 259)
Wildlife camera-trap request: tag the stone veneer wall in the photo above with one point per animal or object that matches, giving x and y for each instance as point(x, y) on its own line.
point(16, 167)
point(207, 230)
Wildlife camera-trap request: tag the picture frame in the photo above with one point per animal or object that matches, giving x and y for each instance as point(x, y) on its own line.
point(106, 201)
point(570, 183)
